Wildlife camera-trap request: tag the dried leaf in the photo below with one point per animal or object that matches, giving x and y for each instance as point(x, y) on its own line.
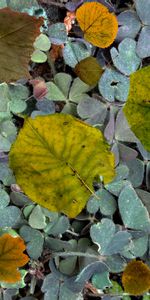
point(136, 278)
point(11, 258)
point(39, 88)
point(98, 24)
point(62, 156)
point(137, 108)
point(17, 34)
point(89, 70)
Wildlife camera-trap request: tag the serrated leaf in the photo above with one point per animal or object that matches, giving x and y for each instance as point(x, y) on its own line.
point(11, 257)
point(113, 85)
point(134, 214)
point(125, 58)
point(138, 105)
point(88, 70)
point(97, 23)
point(53, 161)
point(136, 278)
point(19, 32)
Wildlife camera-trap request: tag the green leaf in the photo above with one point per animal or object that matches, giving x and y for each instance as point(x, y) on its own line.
point(57, 33)
point(47, 158)
point(101, 281)
point(9, 216)
point(37, 219)
point(125, 58)
point(38, 56)
point(42, 42)
point(113, 85)
point(4, 199)
point(137, 108)
point(74, 52)
point(34, 239)
point(134, 214)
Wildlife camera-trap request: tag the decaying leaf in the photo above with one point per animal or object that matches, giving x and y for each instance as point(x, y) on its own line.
point(137, 108)
point(136, 278)
point(97, 23)
point(89, 70)
point(60, 156)
point(17, 34)
point(11, 258)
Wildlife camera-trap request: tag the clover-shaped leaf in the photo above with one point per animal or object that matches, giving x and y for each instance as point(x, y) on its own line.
point(113, 85)
point(126, 59)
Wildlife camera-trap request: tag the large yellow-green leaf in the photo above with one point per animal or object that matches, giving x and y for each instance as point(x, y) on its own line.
point(137, 108)
point(56, 158)
point(17, 34)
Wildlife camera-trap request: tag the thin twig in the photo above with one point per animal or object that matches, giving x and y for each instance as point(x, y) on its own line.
point(52, 3)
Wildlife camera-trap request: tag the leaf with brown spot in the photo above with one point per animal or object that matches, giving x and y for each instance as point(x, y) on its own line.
point(18, 31)
point(11, 258)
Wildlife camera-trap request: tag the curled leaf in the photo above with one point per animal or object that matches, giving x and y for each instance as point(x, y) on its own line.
point(62, 156)
point(11, 258)
point(97, 23)
point(136, 278)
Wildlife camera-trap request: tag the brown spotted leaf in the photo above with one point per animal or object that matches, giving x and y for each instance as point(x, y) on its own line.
point(89, 70)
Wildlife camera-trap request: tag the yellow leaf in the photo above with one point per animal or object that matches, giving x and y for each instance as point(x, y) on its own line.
point(11, 258)
point(17, 34)
point(98, 24)
point(89, 70)
point(136, 278)
point(137, 107)
point(56, 158)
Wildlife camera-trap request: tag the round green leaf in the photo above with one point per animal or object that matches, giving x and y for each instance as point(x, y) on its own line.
point(38, 56)
point(42, 42)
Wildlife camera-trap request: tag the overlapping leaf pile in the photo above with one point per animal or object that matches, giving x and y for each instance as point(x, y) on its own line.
point(74, 150)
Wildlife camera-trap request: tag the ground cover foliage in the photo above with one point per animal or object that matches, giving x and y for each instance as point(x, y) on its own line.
point(74, 150)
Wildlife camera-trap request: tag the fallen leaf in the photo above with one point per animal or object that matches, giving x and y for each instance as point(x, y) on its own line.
point(39, 88)
point(11, 258)
point(17, 34)
point(97, 23)
point(137, 107)
point(56, 51)
point(89, 70)
point(136, 278)
point(61, 156)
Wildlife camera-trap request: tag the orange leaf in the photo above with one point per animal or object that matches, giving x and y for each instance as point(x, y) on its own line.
point(17, 34)
point(98, 24)
point(11, 258)
point(89, 70)
point(136, 278)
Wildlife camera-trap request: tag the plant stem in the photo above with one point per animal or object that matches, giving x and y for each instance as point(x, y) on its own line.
point(81, 254)
point(51, 64)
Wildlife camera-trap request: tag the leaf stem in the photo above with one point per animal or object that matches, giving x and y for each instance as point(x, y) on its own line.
point(51, 64)
point(81, 254)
